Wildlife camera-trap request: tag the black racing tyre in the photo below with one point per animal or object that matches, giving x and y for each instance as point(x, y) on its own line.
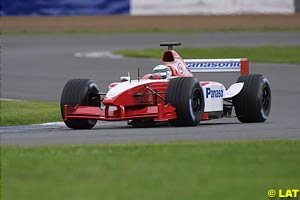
point(79, 92)
point(186, 95)
point(253, 103)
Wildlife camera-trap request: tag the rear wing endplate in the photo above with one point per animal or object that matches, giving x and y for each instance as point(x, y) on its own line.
point(218, 65)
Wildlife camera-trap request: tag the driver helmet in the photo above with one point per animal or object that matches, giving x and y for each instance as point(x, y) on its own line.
point(163, 71)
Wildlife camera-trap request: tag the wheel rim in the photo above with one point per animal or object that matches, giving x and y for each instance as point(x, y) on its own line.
point(196, 100)
point(266, 98)
point(93, 97)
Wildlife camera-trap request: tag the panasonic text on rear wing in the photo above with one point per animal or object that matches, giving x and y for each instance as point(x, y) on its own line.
point(218, 65)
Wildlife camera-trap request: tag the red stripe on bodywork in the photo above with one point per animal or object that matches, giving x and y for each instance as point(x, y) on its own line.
point(205, 116)
point(204, 83)
point(244, 66)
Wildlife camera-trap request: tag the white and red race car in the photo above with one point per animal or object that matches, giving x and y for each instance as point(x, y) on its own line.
point(170, 93)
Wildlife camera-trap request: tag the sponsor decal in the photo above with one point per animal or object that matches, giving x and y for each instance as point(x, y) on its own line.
point(180, 68)
point(222, 65)
point(214, 93)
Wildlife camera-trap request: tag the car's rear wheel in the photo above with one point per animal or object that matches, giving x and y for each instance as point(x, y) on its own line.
point(79, 92)
point(186, 95)
point(253, 103)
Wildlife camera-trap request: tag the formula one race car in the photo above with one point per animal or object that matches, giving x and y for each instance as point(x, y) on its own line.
point(169, 94)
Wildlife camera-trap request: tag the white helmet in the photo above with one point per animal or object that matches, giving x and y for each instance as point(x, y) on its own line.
point(162, 71)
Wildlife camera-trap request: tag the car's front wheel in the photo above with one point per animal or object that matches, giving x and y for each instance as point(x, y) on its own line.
point(79, 92)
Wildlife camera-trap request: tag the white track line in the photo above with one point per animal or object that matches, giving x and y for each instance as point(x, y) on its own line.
point(6, 99)
point(97, 54)
point(51, 125)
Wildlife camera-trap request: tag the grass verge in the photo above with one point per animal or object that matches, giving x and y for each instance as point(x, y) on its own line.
point(150, 31)
point(222, 170)
point(273, 54)
point(28, 112)
point(148, 24)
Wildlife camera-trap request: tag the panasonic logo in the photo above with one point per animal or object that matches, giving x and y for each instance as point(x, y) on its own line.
point(214, 65)
point(214, 93)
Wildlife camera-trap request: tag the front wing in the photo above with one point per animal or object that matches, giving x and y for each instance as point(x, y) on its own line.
point(158, 112)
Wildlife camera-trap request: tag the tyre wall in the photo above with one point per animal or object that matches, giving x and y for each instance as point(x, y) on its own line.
point(145, 7)
point(297, 6)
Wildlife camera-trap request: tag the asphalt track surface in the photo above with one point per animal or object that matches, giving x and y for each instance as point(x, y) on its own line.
point(37, 67)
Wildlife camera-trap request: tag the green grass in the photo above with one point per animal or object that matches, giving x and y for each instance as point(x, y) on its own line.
point(274, 54)
point(28, 112)
point(221, 170)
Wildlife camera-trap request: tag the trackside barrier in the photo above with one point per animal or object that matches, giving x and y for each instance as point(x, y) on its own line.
point(64, 7)
point(144, 7)
point(215, 7)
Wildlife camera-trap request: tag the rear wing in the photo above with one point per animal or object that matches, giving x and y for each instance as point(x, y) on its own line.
point(218, 65)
